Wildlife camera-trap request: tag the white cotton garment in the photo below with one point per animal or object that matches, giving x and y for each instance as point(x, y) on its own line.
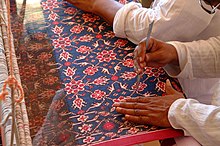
point(185, 21)
point(198, 59)
point(174, 20)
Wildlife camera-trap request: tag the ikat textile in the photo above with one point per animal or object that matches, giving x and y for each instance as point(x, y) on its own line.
point(95, 69)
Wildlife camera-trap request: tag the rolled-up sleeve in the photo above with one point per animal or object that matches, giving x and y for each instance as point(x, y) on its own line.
point(197, 59)
point(198, 120)
point(173, 20)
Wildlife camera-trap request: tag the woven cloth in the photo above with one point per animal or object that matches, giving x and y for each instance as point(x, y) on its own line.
point(96, 69)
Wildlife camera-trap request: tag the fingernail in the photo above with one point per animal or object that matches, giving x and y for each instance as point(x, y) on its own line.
point(115, 104)
point(141, 59)
point(168, 81)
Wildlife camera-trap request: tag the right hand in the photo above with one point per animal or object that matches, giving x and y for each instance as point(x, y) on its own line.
point(158, 54)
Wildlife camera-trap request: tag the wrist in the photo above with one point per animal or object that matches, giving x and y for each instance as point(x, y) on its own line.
point(174, 55)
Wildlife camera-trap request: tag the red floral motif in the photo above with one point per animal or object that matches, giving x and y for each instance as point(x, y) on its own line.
point(98, 94)
point(57, 30)
point(106, 56)
point(83, 49)
point(128, 63)
point(123, 1)
point(50, 4)
point(28, 71)
point(46, 94)
point(78, 103)
point(50, 80)
point(90, 18)
point(91, 70)
point(63, 137)
point(70, 10)
point(80, 112)
point(141, 87)
point(111, 134)
point(121, 42)
point(100, 81)
point(82, 118)
point(98, 36)
point(53, 16)
point(119, 99)
point(37, 121)
point(74, 86)
point(88, 139)
point(61, 42)
point(109, 34)
point(104, 113)
point(69, 72)
point(65, 56)
point(161, 86)
point(114, 78)
point(86, 38)
point(77, 29)
point(129, 75)
point(44, 56)
point(85, 128)
point(36, 46)
point(133, 130)
point(154, 71)
point(109, 126)
point(39, 36)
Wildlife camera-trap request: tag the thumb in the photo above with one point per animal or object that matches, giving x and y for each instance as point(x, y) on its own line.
point(169, 88)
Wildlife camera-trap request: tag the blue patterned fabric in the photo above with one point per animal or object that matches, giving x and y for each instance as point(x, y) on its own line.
point(96, 69)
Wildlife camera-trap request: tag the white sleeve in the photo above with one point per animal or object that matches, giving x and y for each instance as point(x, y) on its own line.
point(180, 20)
point(197, 59)
point(198, 120)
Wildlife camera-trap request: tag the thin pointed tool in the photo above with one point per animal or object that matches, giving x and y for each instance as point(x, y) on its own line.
point(147, 42)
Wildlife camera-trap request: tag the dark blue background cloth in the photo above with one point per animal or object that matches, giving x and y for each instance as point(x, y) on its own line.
point(96, 69)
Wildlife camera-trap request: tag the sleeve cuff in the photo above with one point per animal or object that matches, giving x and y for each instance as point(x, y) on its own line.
point(120, 18)
point(184, 70)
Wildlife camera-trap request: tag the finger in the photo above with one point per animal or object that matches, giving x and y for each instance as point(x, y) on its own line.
point(137, 67)
point(130, 105)
point(141, 51)
point(169, 89)
point(150, 45)
point(152, 120)
point(138, 119)
point(139, 99)
point(135, 112)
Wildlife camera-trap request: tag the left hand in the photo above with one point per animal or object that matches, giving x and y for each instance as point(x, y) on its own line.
point(149, 110)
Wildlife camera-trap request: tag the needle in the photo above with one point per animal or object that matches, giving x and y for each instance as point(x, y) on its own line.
point(147, 42)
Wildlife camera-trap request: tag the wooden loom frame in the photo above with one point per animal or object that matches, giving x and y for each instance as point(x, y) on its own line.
point(15, 124)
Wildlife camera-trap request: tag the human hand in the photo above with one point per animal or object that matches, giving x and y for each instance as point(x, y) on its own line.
point(157, 54)
point(149, 110)
point(104, 8)
point(85, 5)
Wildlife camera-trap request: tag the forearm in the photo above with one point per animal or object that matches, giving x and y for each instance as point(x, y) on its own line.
point(107, 9)
point(198, 120)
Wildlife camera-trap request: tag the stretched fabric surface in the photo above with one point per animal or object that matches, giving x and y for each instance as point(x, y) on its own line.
point(96, 69)
point(64, 47)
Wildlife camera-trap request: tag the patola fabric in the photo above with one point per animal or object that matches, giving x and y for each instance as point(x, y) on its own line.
point(78, 52)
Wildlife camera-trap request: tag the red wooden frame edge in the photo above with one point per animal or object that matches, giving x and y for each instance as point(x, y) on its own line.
point(141, 138)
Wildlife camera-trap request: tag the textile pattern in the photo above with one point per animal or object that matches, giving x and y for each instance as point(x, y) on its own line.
point(78, 51)
point(96, 69)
